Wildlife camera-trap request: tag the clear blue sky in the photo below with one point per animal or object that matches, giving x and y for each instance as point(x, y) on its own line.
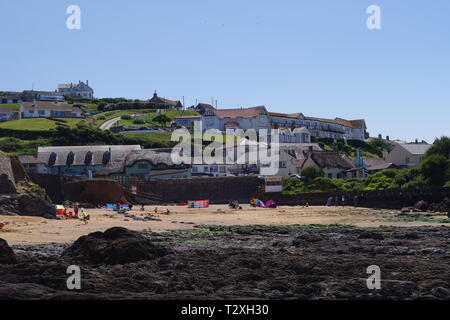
point(316, 57)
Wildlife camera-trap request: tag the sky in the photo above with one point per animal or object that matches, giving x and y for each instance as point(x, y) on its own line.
point(316, 57)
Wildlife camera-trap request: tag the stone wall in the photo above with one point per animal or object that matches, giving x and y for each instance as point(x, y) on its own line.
point(217, 190)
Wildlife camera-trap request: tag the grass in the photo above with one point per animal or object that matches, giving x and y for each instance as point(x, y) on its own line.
point(18, 146)
point(411, 217)
point(39, 124)
point(149, 118)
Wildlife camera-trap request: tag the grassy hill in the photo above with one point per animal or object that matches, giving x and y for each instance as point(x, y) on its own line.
point(38, 124)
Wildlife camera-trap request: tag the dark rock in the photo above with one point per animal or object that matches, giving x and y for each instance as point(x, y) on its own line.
point(114, 246)
point(371, 235)
point(7, 255)
point(25, 205)
point(6, 185)
point(421, 205)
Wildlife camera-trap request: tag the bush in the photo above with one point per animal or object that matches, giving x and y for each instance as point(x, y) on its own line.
point(126, 117)
point(139, 121)
point(447, 185)
point(311, 173)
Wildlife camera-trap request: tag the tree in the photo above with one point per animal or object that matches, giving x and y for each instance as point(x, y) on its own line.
point(440, 146)
point(435, 169)
point(310, 173)
point(162, 119)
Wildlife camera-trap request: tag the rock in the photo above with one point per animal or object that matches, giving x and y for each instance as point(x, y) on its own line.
point(6, 185)
point(441, 292)
point(7, 255)
point(114, 246)
point(421, 205)
point(25, 205)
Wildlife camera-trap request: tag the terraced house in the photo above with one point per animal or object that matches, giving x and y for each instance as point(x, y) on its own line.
point(82, 161)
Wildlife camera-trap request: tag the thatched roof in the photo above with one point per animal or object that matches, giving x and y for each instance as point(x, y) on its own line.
point(153, 156)
point(327, 159)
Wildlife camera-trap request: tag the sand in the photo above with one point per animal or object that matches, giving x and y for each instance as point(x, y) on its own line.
point(35, 230)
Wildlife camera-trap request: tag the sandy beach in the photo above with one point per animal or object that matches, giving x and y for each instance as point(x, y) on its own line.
point(36, 230)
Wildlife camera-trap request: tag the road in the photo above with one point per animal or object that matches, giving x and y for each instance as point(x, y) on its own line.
point(108, 124)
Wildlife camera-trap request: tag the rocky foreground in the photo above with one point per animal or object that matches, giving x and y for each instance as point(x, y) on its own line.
point(235, 263)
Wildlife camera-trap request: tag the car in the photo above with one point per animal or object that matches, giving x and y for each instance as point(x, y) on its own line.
point(295, 176)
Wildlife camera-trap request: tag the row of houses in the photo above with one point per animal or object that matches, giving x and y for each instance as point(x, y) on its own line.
point(259, 118)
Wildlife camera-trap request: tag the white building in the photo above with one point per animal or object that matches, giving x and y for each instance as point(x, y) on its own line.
point(407, 155)
point(80, 90)
point(259, 118)
point(48, 109)
point(245, 118)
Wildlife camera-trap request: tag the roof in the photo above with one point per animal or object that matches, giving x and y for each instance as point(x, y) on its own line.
point(358, 124)
point(381, 166)
point(416, 148)
point(239, 113)
point(30, 160)
point(118, 153)
point(42, 92)
point(154, 156)
point(285, 115)
point(5, 110)
point(72, 85)
point(157, 99)
point(50, 105)
point(327, 159)
point(370, 162)
point(10, 97)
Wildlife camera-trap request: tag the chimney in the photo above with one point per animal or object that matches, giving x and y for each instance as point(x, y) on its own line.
point(87, 82)
point(387, 138)
point(417, 141)
point(379, 136)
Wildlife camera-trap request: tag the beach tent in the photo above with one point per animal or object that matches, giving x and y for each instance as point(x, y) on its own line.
point(60, 210)
point(110, 206)
point(198, 204)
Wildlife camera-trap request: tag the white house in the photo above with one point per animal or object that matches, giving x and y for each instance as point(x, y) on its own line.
point(245, 118)
point(407, 155)
point(48, 109)
point(80, 90)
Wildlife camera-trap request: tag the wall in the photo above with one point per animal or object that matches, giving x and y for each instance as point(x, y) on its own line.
point(383, 199)
point(215, 189)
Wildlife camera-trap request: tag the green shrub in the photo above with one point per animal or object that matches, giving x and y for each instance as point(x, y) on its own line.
point(139, 121)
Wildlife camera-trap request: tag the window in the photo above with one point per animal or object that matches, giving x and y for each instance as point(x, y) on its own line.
point(330, 175)
point(194, 169)
point(41, 112)
point(52, 159)
point(282, 164)
point(407, 159)
point(106, 158)
point(70, 158)
point(88, 158)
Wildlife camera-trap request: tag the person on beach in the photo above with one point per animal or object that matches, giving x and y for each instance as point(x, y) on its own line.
point(84, 216)
point(343, 201)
